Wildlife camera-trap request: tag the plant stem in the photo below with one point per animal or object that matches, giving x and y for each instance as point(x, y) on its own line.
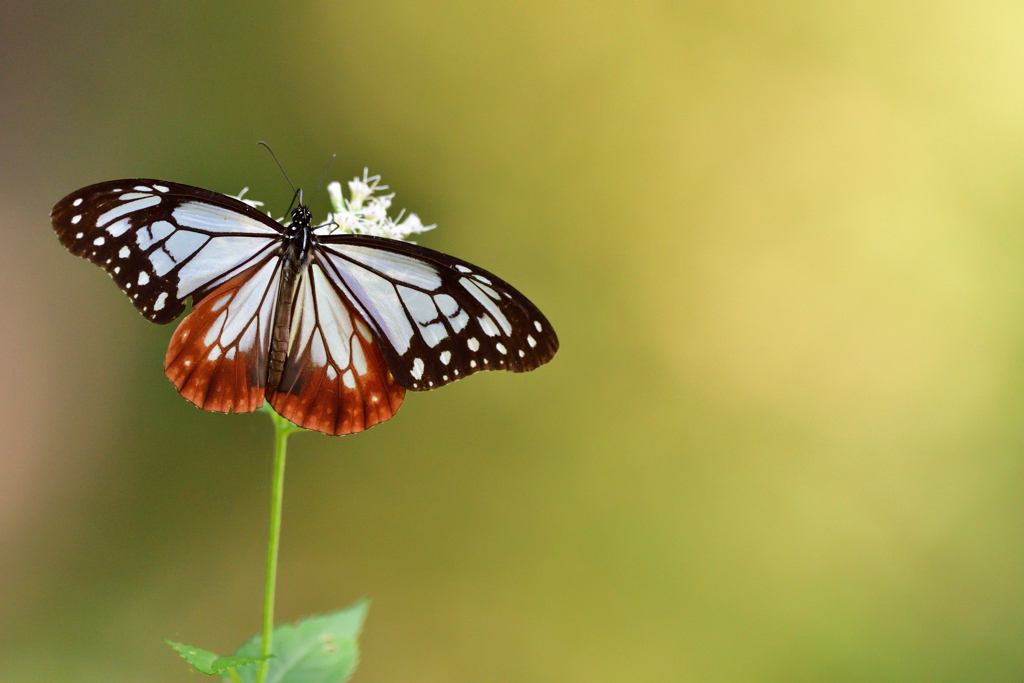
point(282, 428)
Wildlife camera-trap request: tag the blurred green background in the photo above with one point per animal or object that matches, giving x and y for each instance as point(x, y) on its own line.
point(781, 244)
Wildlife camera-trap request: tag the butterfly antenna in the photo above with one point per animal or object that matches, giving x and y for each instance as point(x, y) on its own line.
point(278, 164)
point(298, 193)
point(329, 162)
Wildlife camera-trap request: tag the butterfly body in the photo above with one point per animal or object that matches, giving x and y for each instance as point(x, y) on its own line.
point(330, 328)
point(296, 252)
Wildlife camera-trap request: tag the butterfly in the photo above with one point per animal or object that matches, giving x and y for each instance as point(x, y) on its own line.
point(331, 329)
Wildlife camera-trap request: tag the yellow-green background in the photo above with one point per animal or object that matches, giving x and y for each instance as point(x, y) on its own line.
point(782, 244)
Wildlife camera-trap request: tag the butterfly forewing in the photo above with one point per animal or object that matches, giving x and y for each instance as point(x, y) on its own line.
point(440, 318)
point(162, 241)
point(335, 379)
point(219, 354)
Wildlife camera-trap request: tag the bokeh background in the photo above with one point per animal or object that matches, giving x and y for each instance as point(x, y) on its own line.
point(782, 244)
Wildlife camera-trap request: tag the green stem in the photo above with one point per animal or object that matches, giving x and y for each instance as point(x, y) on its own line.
point(282, 428)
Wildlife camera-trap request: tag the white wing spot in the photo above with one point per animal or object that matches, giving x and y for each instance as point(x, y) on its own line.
point(364, 331)
point(482, 279)
point(124, 209)
point(358, 357)
point(444, 377)
point(473, 344)
point(456, 372)
point(151, 234)
point(522, 354)
point(160, 303)
point(127, 285)
point(117, 269)
point(214, 353)
point(162, 188)
point(75, 219)
point(488, 326)
point(211, 218)
point(448, 305)
point(80, 235)
point(432, 334)
point(537, 325)
point(417, 368)
point(99, 241)
point(230, 355)
point(463, 269)
point(248, 338)
point(120, 227)
point(405, 269)
point(215, 328)
point(349, 379)
point(332, 374)
point(531, 341)
point(421, 306)
point(77, 202)
point(219, 303)
point(487, 296)
point(161, 261)
point(143, 278)
point(472, 363)
point(446, 356)
point(125, 252)
point(501, 347)
point(133, 195)
point(460, 321)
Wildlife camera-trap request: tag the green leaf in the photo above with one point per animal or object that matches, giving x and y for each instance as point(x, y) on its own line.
point(318, 649)
point(208, 663)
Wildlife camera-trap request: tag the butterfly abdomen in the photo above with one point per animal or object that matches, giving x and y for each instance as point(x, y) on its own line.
point(279, 339)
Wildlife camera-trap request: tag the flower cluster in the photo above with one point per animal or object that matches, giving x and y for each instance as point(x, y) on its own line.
point(365, 213)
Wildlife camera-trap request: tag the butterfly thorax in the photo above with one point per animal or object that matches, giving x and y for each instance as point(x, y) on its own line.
point(296, 248)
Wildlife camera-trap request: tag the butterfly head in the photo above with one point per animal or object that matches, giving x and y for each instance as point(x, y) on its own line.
point(302, 218)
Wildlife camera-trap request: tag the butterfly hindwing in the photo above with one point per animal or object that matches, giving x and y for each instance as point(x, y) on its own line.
point(162, 241)
point(334, 379)
point(439, 318)
point(218, 356)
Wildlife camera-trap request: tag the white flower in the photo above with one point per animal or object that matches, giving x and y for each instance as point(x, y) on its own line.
point(410, 226)
point(365, 213)
point(251, 202)
point(334, 193)
point(362, 188)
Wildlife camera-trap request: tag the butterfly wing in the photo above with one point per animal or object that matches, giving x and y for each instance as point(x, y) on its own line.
point(439, 318)
point(334, 379)
point(162, 241)
point(219, 354)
